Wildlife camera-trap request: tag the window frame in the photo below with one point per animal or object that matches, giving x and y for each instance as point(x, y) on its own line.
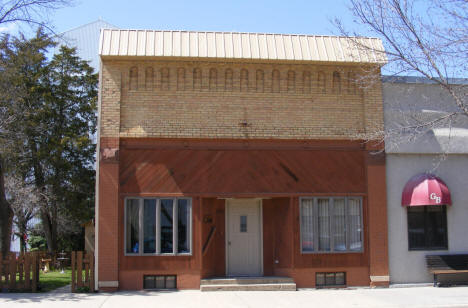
point(332, 238)
point(426, 248)
point(175, 226)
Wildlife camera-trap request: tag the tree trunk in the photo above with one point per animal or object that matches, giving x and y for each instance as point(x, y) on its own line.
point(6, 216)
point(48, 220)
point(22, 244)
point(6, 222)
point(22, 230)
point(50, 231)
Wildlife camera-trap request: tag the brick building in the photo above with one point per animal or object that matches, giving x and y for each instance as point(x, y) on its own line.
point(237, 154)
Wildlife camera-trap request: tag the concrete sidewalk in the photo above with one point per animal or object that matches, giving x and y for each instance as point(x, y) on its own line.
point(363, 297)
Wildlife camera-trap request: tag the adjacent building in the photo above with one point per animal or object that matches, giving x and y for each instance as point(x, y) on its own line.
point(86, 40)
point(238, 154)
point(426, 176)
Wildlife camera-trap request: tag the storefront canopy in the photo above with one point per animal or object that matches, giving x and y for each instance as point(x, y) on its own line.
point(425, 189)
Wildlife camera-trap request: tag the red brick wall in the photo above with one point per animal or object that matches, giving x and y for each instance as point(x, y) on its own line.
point(377, 199)
point(280, 214)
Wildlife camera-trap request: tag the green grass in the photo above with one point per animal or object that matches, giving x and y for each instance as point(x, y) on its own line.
point(52, 280)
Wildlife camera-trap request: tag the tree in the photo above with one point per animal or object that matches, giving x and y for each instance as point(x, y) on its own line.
point(426, 38)
point(23, 200)
point(22, 65)
point(69, 116)
point(37, 242)
point(6, 216)
point(34, 13)
point(53, 149)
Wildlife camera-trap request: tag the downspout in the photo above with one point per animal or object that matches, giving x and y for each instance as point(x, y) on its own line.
point(98, 154)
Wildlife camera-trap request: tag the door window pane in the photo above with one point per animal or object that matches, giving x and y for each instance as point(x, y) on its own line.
point(324, 224)
point(166, 217)
point(133, 226)
point(307, 225)
point(183, 226)
point(149, 226)
point(243, 223)
point(355, 227)
point(339, 225)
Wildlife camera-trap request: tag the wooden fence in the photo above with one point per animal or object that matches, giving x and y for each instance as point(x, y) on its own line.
point(20, 273)
point(82, 271)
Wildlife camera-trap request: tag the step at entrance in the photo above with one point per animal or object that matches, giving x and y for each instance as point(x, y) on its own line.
point(248, 284)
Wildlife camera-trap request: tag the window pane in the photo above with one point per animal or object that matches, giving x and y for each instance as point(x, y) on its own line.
point(149, 226)
point(416, 234)
point(339, 224)
point(307, 224)
point(340, 279)
point(427, 227)
point(160, 282)
point(355, 227)
point(183, 226)
point(324, 224)
point(330, 279)
point(148, 282)
point(436, 227)
point(320, 279)
point(167, 226)
point(132, 226)
point(170, 282)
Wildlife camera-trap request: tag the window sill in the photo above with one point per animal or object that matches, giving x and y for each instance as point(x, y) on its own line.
point(158, 255)
point(330, 252)
point(334, 286)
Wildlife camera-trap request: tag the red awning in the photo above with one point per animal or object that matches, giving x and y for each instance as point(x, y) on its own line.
point(425, 189)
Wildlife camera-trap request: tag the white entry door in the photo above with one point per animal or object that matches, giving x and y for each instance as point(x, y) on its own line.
point(244, 237)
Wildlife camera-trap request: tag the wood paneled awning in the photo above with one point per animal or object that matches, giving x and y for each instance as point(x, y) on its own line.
point(425, 189)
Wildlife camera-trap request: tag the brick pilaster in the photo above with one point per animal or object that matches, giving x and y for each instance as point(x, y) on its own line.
point(377, 205)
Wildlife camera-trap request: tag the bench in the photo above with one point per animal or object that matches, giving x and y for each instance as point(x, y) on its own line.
point(446, 264)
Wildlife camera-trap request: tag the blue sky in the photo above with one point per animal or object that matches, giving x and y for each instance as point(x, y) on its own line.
point(273, 16)
point(270, 16)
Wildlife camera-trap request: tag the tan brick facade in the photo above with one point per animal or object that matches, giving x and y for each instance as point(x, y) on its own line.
point(187, 99)
point(149, 105)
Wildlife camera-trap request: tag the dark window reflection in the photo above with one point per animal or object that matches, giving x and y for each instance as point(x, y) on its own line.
point(149, 226)
point(183, 226)
point(133, 226)
point(427, 227)
point(166, 226)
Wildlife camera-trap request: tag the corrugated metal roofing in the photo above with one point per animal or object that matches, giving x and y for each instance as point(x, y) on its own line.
point(240, 46)
point(86, 39)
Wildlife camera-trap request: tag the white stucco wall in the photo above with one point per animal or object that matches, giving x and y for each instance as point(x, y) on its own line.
point(409, 266)
point(406, 102)
point(406, 158)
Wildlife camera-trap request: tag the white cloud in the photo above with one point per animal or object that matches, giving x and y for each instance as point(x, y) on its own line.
point(8, 28)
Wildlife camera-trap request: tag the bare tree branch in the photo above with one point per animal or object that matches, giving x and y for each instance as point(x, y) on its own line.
point(421, 38)
point(31, 12)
